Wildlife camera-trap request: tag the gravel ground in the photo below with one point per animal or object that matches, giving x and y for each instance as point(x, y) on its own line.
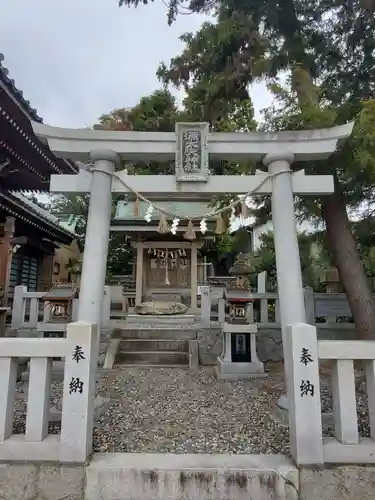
point(175, 410)
point(178, 411)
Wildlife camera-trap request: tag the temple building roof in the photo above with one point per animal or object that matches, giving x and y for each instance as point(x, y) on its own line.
point(25, 162)
point(19, 206)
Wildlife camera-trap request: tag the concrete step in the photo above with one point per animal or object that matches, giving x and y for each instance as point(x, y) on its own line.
point(153, 320)
point(154, 345)
point(169, 333)
point(143, 476)
point(155, 358)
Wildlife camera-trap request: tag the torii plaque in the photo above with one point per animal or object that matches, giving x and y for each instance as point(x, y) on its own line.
point(191, 152)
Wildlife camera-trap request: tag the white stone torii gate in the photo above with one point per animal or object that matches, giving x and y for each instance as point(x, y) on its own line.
point(190, 146)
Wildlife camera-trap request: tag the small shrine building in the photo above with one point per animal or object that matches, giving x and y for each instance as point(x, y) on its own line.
point(167, 266)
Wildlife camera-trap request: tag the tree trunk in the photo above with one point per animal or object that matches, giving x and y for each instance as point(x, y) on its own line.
point(342, 244)
point(340, 238)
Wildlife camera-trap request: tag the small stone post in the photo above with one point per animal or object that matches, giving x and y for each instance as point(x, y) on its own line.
point(309, 305)
point(262, 282)
point(79, 390)
point(106, 308)
point(19, 305)
point(206, 306)
point(194, 276)
point(302, 370)
point(221, 310)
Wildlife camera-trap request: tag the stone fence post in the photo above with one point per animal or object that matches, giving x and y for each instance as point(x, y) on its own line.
point(19, 305)
point(205, 305)
point(77, 420)
point(106, 308)
point(308, 293)
point(303, 388)
point(262, 282)
point(221, 310)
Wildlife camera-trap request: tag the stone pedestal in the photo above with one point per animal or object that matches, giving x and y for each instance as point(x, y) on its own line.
point(241, 363)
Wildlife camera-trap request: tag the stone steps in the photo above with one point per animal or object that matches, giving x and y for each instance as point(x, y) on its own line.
point(167, 333)
point(152, 358)
point(154, 345)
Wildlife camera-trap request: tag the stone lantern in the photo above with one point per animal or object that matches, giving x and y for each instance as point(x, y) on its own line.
point(238, 292)
point(239, 358)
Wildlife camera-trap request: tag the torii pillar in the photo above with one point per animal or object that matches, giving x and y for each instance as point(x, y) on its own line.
point(97, 236)
point(288, 264)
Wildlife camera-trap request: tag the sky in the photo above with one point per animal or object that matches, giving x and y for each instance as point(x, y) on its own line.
point(77, 59)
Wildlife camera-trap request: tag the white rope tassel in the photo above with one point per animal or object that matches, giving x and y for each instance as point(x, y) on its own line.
point(149, 212)
point(203, 226)
point(174, 226)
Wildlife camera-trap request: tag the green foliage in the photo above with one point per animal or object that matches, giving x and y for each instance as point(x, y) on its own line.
point(157, 112)
point(314, 260)
point(215, 69)
point(119, 252)
point(326, 50)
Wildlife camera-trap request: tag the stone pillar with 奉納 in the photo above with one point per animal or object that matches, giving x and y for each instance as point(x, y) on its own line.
point(239, 359)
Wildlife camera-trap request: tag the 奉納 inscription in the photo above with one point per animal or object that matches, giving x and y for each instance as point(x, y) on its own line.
point(78, 354)
point(75, 385)
point(305, 357)
point(307, 388)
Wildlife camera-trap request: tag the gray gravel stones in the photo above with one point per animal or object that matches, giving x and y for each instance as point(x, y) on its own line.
point(177, 411)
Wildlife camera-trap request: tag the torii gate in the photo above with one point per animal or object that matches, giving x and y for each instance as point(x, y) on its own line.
point(191, 146)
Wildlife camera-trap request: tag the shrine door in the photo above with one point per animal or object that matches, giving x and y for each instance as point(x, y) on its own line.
point(177, 274)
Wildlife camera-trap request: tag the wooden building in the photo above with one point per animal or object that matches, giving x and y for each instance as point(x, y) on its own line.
point(28, 237)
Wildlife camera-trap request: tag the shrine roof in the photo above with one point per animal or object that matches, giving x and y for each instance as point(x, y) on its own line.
point(22, 102)
point(20, 207)
point(125, 210)
point(26, 163)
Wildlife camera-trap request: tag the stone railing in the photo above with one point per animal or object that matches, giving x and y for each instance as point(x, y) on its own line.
point(80, 350)
point(128, 301)
point(28, 308)
point(322, 308)
point(347, 447)
point(302, 353)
